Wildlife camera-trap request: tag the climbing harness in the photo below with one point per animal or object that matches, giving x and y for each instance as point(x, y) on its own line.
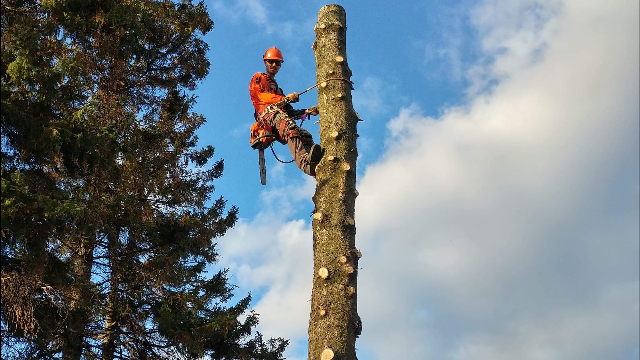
point(262, 135)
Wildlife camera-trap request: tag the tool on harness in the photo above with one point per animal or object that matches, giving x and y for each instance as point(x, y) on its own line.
point(262, 133)
point(263, 167)
point(262, 136)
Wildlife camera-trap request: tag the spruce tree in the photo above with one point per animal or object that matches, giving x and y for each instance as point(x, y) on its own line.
point(107, 208)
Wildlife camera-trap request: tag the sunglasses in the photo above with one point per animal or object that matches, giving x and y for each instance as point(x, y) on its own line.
point(274, 62)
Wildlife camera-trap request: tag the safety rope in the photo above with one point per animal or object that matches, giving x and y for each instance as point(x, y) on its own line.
point(277, 158)
point(318, 84)
point(324, 81)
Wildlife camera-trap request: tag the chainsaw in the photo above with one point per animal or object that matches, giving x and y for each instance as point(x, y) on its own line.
point(260, 142)
point(263, 167)
point(262, 136)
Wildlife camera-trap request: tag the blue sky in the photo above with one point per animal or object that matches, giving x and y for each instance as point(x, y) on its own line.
point(497, 171)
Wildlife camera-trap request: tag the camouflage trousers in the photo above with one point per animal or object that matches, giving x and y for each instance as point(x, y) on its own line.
point(297, 139)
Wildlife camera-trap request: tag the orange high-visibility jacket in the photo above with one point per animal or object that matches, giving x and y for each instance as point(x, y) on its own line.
point(264, 91)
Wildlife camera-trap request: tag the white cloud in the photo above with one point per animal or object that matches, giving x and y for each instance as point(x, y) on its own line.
point(504, 229)
point(273, 254)
point(514, 220)
point(514, 35)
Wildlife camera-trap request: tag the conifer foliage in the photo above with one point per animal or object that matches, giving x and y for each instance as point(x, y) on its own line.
point(107, 209)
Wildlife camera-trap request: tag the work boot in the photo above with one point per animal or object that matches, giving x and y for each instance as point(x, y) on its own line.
point(310, 169)
point(315, 154)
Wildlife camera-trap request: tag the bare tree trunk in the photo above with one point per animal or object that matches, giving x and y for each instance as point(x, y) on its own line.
point(80, 302)
point(112, 311)
point(334, 323)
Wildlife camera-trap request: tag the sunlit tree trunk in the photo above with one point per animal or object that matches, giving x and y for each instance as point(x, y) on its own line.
point(334, 323)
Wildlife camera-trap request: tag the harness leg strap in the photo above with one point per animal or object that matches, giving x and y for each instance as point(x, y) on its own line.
point(288, 129)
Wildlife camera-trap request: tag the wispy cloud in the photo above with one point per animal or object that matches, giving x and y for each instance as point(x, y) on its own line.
point(513, 36)
point(257, 13)
point(445, 51)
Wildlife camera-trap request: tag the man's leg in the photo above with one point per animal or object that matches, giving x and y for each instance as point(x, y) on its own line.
point(305, 153)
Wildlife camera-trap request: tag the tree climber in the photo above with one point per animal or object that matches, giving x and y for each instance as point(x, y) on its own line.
point(275, 117)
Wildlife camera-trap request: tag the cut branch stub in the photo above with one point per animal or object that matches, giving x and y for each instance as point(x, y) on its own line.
point(323, 272)
point(342, 259)
point(327, 354)
point(339, 59)
point(318, 216)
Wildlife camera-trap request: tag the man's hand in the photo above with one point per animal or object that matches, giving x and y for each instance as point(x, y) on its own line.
point(293, 97)
point(312, 110)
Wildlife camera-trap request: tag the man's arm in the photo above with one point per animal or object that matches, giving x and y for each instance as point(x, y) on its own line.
point(297, 114)
point(259, 95)
point(293, 113)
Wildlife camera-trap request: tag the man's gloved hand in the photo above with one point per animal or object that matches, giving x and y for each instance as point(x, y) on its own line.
point(293, 97)
point(312, 110)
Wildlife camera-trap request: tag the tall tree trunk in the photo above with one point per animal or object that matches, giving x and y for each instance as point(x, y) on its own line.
point(80, 301)
point(334, 323)
point(111, 317)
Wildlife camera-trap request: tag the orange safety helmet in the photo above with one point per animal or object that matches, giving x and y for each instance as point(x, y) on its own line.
point(273, 53)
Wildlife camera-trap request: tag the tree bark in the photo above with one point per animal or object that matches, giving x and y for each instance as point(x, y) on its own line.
point(80, 301)
point(334, 323)
point(111, 316)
